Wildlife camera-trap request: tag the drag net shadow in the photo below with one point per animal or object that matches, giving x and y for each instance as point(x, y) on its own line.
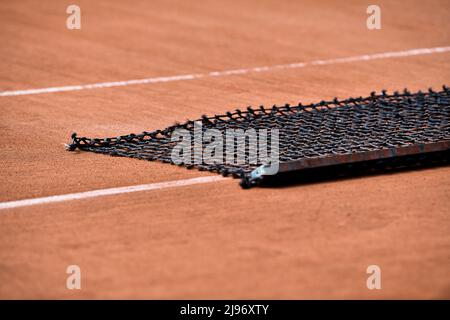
point(357, 170)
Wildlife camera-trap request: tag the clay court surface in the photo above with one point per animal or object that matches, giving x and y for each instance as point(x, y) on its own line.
point(210, 240)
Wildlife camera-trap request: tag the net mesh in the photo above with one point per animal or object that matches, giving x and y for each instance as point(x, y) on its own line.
point(314, 131)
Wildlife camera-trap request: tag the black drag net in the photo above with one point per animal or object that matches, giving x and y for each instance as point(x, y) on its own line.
point(328, 133)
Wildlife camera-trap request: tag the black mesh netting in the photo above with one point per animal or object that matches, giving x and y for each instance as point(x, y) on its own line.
point(323, 130)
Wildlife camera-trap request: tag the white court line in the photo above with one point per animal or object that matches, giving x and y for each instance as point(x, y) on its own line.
point(178, 183)
point(367, 57)
point(110, 191)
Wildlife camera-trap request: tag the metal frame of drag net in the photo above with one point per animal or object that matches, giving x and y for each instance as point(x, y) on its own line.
point(379, 129)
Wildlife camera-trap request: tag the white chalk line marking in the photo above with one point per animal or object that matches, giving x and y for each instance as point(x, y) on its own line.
point(109, 191)
point(178, 183)
point(367, 57)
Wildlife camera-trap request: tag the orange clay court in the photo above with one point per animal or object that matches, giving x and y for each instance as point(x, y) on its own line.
point(210, 239)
